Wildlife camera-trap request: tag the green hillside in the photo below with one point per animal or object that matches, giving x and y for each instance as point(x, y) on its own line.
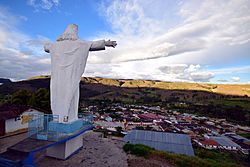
point(225, 89)
point(215, 100)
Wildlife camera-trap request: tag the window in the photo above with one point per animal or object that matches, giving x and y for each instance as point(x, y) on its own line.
point(18, 118)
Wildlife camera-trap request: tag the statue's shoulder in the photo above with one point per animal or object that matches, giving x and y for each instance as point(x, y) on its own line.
point(83, 42)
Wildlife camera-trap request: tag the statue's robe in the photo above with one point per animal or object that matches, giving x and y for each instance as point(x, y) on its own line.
point(68, 60)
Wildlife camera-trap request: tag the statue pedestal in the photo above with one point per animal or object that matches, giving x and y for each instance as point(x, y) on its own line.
point(63, 139)
point(66, 149)
point(66, 135)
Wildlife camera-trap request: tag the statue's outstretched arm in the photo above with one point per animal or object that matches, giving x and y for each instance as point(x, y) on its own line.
point(100, 45)
point(110, 43)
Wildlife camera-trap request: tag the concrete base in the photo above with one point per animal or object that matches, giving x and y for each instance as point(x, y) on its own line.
point(65, 150)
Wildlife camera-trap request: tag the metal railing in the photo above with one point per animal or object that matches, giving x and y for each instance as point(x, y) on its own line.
point(47, 126)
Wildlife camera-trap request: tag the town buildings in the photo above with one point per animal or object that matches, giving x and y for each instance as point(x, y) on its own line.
point(209, 133)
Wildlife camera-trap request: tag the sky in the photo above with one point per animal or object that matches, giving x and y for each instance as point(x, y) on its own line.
point(170, 40)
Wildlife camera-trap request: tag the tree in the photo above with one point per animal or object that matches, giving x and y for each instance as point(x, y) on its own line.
point(21, 97)
point(139, 127)
point(41, 99)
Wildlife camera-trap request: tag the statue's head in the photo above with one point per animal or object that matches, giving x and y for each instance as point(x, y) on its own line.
point(71, 33)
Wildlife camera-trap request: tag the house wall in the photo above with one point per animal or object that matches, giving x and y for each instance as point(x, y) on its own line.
point(15, 124)
point(210, 146)
point(228, 147)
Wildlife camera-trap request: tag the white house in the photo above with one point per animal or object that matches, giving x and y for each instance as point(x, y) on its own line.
point(108, 125)
point(225, 143)
point(13, 118)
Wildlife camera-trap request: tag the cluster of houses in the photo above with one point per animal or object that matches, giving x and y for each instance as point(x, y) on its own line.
point(209, 133)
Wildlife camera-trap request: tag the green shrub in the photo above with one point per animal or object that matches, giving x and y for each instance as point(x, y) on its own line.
point(137, 149)
point(127, 147)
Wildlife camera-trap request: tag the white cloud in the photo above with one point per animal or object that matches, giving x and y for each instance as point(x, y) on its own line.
point(174, 68)
point(187, 72)
point(235, 79)
point(43, 4)
point(150, 70)
point(201, 76)
point(202, 33)
point(163, 40)
point(141, 36)
point(20, 55)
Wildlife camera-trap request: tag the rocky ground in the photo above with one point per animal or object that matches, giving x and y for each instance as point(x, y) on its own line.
point(96, 152)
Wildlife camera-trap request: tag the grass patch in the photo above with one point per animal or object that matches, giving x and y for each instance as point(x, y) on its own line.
point(184, 161)
point(203, 158)
point(243, 103)
point(137, 149)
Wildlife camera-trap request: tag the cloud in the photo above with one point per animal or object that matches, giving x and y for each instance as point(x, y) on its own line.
point(143, 36)
point(222, 80)
point(20, 55)
point(43, 4)
point(176, 43)
point(187, 72)
point(201, 76)
point(174, 69)
point(163, 40)
point(20, 66)
point(235, 79)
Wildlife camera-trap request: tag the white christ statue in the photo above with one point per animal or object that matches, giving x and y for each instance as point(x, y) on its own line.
point(68, 60)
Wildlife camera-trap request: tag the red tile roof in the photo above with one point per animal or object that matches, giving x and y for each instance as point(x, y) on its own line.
point(210, 142)
point(148, 116)
point(8, 111)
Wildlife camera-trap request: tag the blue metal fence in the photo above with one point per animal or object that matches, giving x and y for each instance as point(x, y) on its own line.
point(47, 126)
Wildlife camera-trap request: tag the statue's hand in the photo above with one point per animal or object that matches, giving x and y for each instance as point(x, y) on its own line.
point(110, 43)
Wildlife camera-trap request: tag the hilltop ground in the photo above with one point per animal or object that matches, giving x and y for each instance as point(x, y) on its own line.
point(108, 152)
point(96, 152)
